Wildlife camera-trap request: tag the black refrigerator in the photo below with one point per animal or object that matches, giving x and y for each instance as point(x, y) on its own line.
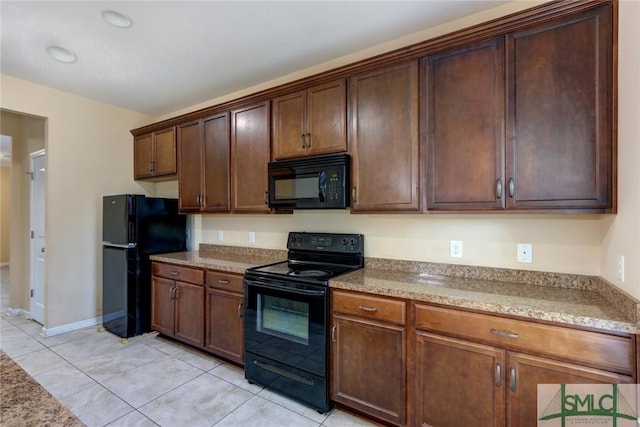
point(133, 228)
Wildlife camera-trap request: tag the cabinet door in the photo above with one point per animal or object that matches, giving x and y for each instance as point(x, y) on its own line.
point(189, 300)
point(368, 368)
point(384, 139)
point(216, 163)
point(250, 136)
point(465, 127)
point(560, 152)
point(162, 307)
point(223, 332)
point(142, 156)
point(458, 383)
point(289, 126)
point(190, 159)
point(164, 152)
point(327, 118)
point(526, 372)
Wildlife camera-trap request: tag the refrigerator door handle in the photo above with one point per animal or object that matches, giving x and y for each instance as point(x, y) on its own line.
point(121, 246)
point(130, 232)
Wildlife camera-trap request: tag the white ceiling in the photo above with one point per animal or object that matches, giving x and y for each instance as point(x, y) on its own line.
point(181, 53)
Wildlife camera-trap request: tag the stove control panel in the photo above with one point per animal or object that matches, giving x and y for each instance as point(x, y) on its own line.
point(326, 242)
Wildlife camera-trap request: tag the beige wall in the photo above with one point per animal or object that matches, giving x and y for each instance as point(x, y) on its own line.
point(5, 195)
point(89, 154)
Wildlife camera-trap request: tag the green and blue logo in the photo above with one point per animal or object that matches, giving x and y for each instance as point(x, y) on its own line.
point(588, 405)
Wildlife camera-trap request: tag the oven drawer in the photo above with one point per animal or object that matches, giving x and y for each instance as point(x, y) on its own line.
point(225, 281)
point(175, 272)
point(613, 352)
point(369, 306)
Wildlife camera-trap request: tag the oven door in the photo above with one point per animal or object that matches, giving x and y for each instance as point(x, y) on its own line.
point(287, 323)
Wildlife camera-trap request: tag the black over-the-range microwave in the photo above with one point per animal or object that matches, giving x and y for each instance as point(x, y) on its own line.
point(315, 182)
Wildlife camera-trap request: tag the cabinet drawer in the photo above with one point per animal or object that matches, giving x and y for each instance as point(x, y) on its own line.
point(225, 281)
point(556, 341)
point(175, 272)
point(369, 306)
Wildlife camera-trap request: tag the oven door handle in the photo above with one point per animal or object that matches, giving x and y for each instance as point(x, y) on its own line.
point(291, 289)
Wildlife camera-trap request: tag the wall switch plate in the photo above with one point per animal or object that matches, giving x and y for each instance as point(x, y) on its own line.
point(455, 248)
point(252, 237)
point(525, 252)
point(220, 235)
point(620, 274)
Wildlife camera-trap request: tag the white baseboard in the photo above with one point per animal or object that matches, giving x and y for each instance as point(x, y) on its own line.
point(49, 332)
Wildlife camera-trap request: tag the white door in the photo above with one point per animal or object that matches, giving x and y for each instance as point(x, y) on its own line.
point(38, 184)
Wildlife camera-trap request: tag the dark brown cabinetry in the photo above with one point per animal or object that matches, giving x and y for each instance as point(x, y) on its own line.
point(177, 308)
point(384, 139)
point(203, 148)
point(250, 153)
point(478, 364)
point(154, 155)
point(312, 121)
point(368, 355)
point(465, 111)
point(224, 315)
point(523, 121)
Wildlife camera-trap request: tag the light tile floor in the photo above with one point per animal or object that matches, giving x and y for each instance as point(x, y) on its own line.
point(148, 381)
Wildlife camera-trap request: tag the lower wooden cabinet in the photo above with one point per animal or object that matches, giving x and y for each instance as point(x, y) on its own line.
point(205, 313)
point(369, 356)
point(224, 316)
point(177, 308)
point(462, 382)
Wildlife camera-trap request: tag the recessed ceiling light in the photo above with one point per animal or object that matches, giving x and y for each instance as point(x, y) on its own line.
point(116, 19)
point(61, 54)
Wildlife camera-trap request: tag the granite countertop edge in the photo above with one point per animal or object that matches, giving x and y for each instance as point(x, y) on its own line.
point(450, 291)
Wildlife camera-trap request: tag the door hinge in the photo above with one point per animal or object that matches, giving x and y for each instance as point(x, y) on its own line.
point(31, 293)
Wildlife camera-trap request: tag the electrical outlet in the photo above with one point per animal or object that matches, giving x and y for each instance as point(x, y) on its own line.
point(220, 235)
point(252, 237)
point(620, 274)
point(455, 248)
point(525, 252)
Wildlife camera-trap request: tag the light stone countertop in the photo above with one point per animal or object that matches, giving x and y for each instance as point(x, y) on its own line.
point(570, 306)
point(563, 298)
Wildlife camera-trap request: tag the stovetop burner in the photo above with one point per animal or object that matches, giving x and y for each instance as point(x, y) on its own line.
point(315, 258)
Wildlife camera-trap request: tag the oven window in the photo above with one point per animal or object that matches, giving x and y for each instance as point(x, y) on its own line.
point(283, 318)
point(296, 188)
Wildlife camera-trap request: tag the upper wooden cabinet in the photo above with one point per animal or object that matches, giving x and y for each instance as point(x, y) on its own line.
point(250, 148)
point(530, 127)
point(203, 148)
point(384, 139)
point(312, 121)
point(559, 106)
point(154, 155)
point(465, 117)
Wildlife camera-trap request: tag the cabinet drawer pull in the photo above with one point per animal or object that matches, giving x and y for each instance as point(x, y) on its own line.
point(512, 382)
point(223, 281)
point(505, 334)
point(369, 309)
point(512, 187)
point(499, 188)
point(174, 273)
point(498, 376)
point(333, 333)
point(240, 310)
point(172, 293)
